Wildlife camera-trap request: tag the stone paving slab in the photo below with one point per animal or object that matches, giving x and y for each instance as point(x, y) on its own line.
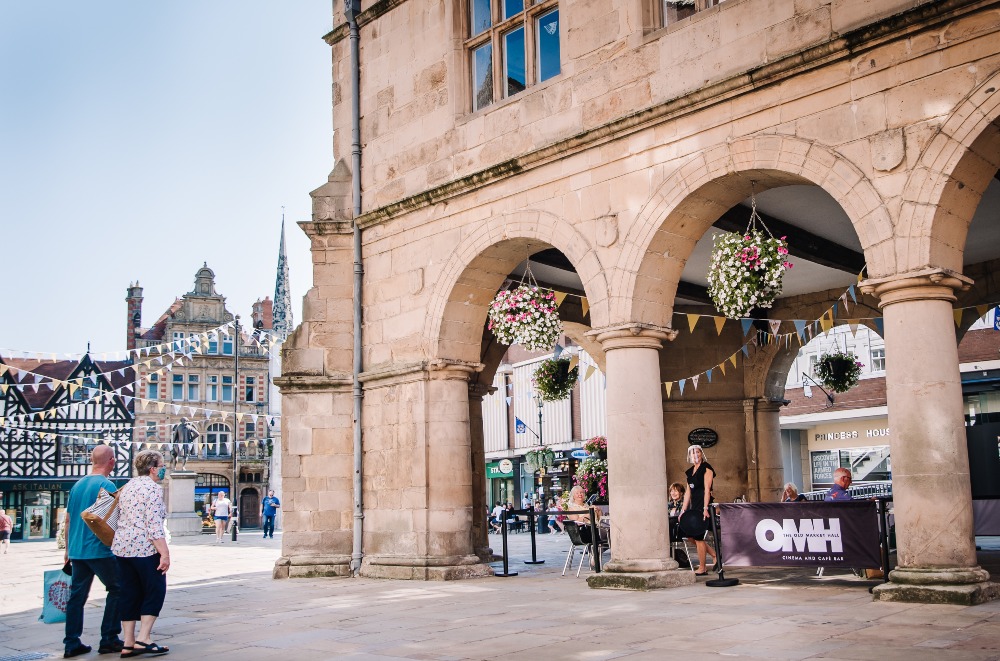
point(222, 604)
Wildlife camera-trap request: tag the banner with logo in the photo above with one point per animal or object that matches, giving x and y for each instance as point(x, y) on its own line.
point(800, 534)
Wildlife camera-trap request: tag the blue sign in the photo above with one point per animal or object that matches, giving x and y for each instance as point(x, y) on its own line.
point(579, 454)
point(996, 318)
point(519, 426)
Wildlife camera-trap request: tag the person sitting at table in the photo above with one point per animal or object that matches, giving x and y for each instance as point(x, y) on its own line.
point(676, 502)
point(791, 494)
point(839, 493)
point(555, 522)
point(577, 502)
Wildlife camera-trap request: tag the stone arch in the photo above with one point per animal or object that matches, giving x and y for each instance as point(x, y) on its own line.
point(951, 175)
point(701, 188)
point(456, 313)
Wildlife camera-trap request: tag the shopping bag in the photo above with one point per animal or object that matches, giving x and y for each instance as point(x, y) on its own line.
point(102, 516)
point(55, 596)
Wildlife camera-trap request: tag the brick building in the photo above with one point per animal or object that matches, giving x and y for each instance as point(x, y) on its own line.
point(200, 381)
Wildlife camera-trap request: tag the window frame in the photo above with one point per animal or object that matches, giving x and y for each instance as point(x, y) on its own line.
point(494, 35)
point(193, 388)
point(227, 382)
point(250, 389)
point(153, 387)
point(177, 382)
point(874, 358)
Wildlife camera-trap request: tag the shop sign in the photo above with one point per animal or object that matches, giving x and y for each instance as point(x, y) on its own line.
point(852, 434)
point(996, 318)
point(500, 469)
point(823, 465)
point(36, 486)
point(703, 436)
point(579, 454)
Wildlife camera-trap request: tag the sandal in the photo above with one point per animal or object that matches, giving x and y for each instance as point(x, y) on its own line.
point(150, 648)
point(701, 573)
point(128, 652)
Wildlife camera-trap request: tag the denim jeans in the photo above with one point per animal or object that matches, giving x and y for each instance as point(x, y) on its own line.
point(268, 525)
point(106, 570)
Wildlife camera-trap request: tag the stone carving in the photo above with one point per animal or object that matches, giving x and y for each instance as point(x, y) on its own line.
point(607, 230)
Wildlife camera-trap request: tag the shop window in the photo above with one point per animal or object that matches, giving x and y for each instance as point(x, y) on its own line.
point(526, 39)
point(678, 10)
point(75, 450)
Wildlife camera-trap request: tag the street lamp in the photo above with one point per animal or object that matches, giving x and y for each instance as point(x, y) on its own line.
point(541, 469)
point(236, 410)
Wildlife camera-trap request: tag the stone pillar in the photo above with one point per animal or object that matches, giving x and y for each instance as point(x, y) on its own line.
point(765, 474)
point(181, 518)
point(930, 463)
point(480, 534)
point(637, 470)
point(418, 473)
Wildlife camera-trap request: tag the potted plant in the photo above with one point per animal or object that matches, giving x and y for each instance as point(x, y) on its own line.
point(538, 459)
point(554, 380)
point(527, 316)
point(839, 371)
point(746, 270)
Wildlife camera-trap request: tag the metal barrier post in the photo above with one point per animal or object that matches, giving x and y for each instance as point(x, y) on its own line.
point(722, 581)
point(503, 528)
point(595, 541)
point(883, 517)
point(534, 555)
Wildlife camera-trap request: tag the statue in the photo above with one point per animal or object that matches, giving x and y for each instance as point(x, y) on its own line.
point(182, 439)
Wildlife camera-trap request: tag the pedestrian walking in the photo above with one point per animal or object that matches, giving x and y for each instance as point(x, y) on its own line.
point(89, 557)
point(143, 556)
point(6, 528)
point(268, 509)
point(220, 512)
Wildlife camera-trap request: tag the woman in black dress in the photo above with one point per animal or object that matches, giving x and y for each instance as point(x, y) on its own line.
point(699, 497)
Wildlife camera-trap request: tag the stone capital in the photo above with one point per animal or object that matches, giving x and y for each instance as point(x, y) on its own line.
point(632, 336)
point(924, 285)
point(480, 390)
point(437, 370)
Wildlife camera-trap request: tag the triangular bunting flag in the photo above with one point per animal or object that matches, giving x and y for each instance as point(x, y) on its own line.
point(560, 297)
point(590, 372)
point(826, 321)
point(775, 324)
point(958, 316)
point(585, 304)
point(722, 367)
point(669, 385)
point(680, 385)
point(981, 311)
point(693, 321)
point(853, 325)
point(508, 400)
point(557, 351)
point(854, 297)
point(708, 373)
point(574, 361)
point(800, 326)
point(732, 358)
point(694, 380)
point(880, 326)
point(719, 323)
point(747, 324)
point(746, 350)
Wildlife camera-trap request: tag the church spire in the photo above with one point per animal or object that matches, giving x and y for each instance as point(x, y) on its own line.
point(283, 322)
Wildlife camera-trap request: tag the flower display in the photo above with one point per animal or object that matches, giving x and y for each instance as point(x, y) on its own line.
point(839, 371)
point(526, 316)
point(746, 271)
point(596, 444)
point(538, 459)
point(554, 380)
point(592, 476)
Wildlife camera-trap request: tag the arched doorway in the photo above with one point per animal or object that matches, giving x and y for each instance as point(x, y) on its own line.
point(249, 508)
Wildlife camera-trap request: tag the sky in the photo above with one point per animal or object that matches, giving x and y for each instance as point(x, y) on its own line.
point(139, 140)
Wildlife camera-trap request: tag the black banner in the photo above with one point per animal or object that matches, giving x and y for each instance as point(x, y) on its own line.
point(800, 534)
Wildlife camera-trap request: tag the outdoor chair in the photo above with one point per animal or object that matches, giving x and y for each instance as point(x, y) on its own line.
point(579, 540)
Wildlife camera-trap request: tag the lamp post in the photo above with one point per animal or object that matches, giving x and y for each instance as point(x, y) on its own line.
point(236, 409)
point(541, 469)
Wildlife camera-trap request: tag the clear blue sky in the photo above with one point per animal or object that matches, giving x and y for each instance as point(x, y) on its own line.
point(139, 139)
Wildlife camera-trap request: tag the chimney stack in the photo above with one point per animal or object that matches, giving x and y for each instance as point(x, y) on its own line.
point(133, 323)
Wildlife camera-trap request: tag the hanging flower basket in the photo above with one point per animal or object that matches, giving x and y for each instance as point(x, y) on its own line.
point(554, 380)
point(839, 371)
point(526, 316)
point(538, 459)
point(592, 477)
point(746, 270)
point(597, 446)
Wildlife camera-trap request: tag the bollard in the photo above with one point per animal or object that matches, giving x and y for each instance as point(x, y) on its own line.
point(534, 555)
point(503, 530)
point(595, 542)
point(722, 581)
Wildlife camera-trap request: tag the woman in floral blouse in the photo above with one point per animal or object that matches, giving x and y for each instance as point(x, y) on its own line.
point(143, 556)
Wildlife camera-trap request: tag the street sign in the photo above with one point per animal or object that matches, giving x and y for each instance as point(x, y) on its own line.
point(579, 454)
point(996, 318)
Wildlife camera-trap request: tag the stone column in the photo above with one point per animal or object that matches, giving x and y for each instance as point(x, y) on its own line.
point(637, 470)
point(480, 534)
point(181, 518)
point(418, 473)
point(765, 474)
point(930, 463)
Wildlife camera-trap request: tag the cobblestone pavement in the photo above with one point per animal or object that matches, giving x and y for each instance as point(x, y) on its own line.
point(222, 604)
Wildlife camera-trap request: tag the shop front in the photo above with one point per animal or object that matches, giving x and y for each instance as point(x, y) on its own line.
point(859, 445)
point(36, 507)
point(500, 482)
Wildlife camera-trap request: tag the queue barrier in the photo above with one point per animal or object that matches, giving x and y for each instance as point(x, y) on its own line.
point(595, 539)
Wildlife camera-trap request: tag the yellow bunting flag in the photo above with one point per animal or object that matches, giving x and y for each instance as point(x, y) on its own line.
point(722, 367)
point(853, 325)
point(560, 297)
point(693, 321)
point(826, 321)
point(590, 372)
point(585, 304)
point(574, 361)
point(958, 317)
point(732, 358)
point(719, 323)
point(3, 369)
point(669, 386)
point(981, 310)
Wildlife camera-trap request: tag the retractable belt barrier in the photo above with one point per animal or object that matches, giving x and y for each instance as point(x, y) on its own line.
point(595, 540)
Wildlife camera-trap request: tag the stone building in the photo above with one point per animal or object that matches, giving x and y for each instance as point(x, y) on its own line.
point(622, 135)
point(199, 381)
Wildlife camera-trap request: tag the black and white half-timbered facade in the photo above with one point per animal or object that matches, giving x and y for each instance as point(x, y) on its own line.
point(52, 414)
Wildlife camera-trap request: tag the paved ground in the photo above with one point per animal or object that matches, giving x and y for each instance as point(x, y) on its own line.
point(222, 604)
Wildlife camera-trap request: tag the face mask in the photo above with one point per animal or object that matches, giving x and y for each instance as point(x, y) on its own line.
point(162, 473)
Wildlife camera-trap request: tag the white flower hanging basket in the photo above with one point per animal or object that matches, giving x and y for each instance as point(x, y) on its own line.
point(526, 316)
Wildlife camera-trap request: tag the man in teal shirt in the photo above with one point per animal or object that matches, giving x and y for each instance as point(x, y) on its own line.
point(91, 558)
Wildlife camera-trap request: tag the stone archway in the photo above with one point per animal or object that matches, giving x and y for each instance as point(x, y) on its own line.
point(700, 189)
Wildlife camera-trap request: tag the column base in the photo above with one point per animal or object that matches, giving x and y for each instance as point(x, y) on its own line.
point(183, 525)
point(425, 569)
point(964, 586)
point(311, 566)
point(642, 581)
